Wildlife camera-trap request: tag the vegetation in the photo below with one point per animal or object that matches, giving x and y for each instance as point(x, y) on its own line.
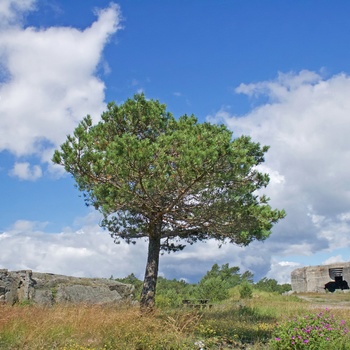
point(216, 285)
point(174, 181)
point(314, 331)
point(271, 285)
point(234, 323)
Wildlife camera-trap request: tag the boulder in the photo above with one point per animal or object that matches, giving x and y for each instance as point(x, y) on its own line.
point(49, 289)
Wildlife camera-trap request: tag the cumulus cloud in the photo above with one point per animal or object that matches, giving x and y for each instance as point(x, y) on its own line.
point(305, 120)
point(11, 11)
point(49, 80)
point(333, 259)
point(84, 249)
point(281, 270)
point(25, 171)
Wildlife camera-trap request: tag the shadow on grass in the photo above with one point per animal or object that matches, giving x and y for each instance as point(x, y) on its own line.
point(246, 324)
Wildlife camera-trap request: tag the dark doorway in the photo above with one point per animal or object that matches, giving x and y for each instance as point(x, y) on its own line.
point(338, 283)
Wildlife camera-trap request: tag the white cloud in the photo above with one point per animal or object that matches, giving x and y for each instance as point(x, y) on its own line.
point(84, 249)
point(25, 225)
point(281, 270)
point(333, 259)
point(25, 171)
point(51, 82)
point(305, 120)
point(12, 10)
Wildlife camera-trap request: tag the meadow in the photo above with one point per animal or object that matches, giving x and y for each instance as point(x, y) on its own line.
point(235, 323)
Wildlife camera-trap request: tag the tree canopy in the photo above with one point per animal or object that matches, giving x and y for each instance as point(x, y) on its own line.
point(174, 181)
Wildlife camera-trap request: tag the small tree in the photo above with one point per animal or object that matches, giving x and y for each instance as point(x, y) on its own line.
point(245, 290)
point(230, 275)
point(213, 288)
point(172, 181)
point(271, 285)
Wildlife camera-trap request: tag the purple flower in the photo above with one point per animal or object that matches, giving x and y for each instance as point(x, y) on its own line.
point(306, 340)
point(278, 339)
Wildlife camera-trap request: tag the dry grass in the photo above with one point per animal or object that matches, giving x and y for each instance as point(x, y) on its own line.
point(234, 324)
point(95, 327)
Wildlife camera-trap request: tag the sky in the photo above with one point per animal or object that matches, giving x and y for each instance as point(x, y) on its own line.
point(278, 71)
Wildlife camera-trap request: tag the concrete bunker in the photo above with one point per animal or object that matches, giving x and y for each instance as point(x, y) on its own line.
point(321, 278)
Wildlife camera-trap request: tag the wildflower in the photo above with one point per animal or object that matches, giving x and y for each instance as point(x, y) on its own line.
point(309, 331)
point(200, 344)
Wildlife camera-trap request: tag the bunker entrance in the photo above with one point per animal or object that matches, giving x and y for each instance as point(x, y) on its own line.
point(336, 274)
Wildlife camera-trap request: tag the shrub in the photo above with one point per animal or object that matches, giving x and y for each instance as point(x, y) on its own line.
point(313, 331)
point(213, 288)
point(271, 285)
point(245, 290)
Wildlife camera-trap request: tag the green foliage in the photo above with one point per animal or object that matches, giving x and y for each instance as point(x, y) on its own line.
point(132, 279)
point(175, 181)
point(217, 282)
point(139, 164)
point(213, 288)
point(26, 302)
point(247, 276)
point(313, 331)
point(215, 285)
point(271, 285)
point(230, 275)
point(170, 293)
point(245, 290)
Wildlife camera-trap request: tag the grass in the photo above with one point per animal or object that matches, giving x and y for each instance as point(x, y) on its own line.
point(233, 324)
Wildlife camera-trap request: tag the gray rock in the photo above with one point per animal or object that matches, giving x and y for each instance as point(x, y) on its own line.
point(49, 289)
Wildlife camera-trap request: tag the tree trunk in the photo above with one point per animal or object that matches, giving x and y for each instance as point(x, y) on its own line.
point(148, 293)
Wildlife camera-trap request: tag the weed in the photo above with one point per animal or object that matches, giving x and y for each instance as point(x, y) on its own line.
point(321, 331)
point(231, 324)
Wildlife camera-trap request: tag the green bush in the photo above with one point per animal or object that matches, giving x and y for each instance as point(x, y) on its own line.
point(214, 289)
point(271, 285)
point(245, 290)
point(313, 331)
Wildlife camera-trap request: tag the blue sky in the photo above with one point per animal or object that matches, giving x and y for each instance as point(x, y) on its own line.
point(278, 71)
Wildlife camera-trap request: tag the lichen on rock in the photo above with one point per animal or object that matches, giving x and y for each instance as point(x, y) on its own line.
point(49, 289)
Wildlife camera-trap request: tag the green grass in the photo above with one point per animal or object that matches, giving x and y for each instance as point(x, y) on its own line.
point(232, 324)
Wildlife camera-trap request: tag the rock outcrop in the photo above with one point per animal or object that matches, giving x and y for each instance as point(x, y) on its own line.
point(49, 289)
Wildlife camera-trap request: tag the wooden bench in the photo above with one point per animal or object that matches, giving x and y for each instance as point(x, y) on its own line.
point(196, 303)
